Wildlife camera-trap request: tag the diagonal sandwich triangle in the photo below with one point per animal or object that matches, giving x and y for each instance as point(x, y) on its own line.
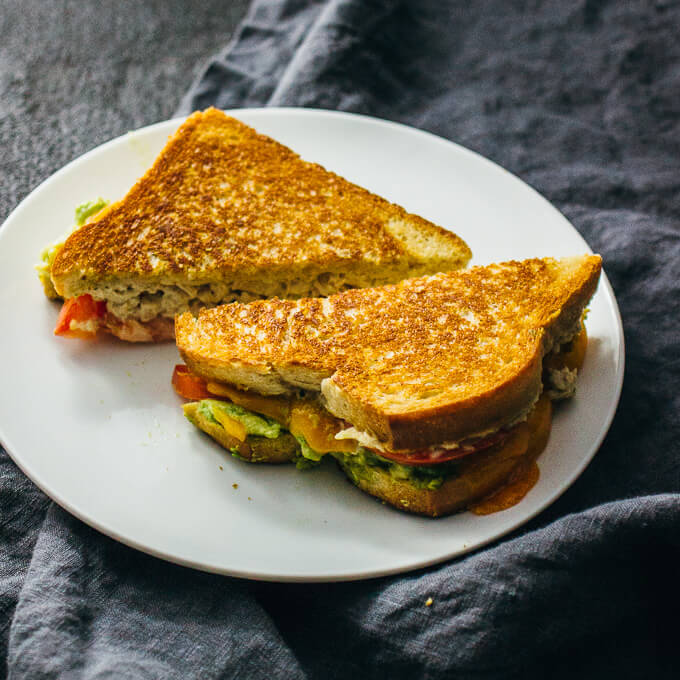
point(427, 360)
point(226, 214)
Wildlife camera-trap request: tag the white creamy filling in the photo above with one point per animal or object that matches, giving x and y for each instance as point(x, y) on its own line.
point(88, 326)
point(566, 337)
point(364, 438)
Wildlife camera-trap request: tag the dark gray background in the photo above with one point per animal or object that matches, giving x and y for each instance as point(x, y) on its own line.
point(75, 73)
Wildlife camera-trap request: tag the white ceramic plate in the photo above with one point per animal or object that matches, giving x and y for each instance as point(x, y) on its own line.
point(97, 426)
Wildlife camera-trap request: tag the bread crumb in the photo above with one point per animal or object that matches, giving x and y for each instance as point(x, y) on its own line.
point(221, 468)
point(428, 602)
point(249, 498)
point(235, 485)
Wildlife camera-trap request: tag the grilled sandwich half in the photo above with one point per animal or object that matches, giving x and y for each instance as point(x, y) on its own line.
point(431, 393)
point(226, 214)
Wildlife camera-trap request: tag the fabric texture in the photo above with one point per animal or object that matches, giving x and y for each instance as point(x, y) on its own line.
point(579, 99)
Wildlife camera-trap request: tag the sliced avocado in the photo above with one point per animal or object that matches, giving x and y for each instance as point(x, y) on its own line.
point(44, 267)
point(89, 208)
point(256, 448)
point(302, 463)
point(307, 451)
point(431, 477)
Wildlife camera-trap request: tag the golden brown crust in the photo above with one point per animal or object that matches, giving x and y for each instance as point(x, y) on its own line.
point(424, 361)
point(222, 201)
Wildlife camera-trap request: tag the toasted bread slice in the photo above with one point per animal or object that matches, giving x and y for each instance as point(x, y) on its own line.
point(254, 449)
point(228, 214)
point(429, 360)
point(477, 477)
point(474, 478)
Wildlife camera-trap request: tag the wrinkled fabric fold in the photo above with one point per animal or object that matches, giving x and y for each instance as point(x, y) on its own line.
point(554, 602)
point(580, 100)
point(93, 607)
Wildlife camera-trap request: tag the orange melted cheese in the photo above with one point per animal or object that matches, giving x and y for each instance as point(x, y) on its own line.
point(524, 477)
point(521, 481)
point(230, 425)
point(303, 417)
point(277, 408)
point(309, 420)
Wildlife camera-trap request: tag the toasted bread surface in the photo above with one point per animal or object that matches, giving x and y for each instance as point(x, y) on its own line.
point(233, 213)
point(422, 362)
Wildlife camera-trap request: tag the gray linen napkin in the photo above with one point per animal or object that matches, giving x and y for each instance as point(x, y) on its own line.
point(581, 100)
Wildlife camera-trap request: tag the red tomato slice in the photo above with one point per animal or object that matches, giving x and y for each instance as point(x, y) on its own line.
point(78, 312)
point(436, 455)
point(188, 385)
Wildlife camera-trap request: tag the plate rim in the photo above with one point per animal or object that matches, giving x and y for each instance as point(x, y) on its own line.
point(263, 575)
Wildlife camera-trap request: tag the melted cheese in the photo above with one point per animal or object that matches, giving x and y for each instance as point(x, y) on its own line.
point(277, 408)
point(310, 420)
point(231, 426)
point(365, 439)
point(524, 477)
